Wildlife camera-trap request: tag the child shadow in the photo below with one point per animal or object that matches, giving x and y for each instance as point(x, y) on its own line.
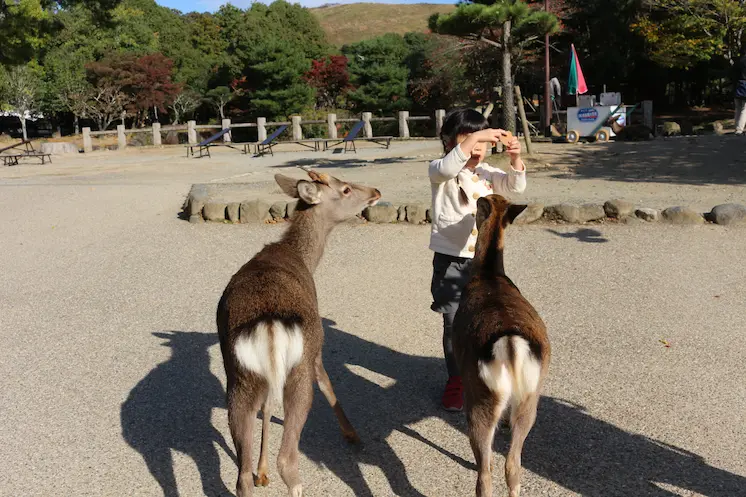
point(170, 409)
point(567, 445)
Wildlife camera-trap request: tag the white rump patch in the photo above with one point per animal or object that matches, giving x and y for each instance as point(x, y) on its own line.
point(272, 360)
point(513, 381)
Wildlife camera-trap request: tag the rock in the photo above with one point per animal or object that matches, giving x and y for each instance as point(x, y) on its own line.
point(671, 128)
point(682, 215)
point(647, 214)
point(591, 212)
point(562, 212)
point(727, 214)
point(197, 198)
point(718, 128)
point(574, 213)
point(172, 138)
point(278, 210)
point(255, 211)
point(630, 220)
point(428, 216)
point(619, 208)
point(381, 213)
point(233, 212)
point(214, 211)
point(402, 213)
point(196, 218)
point(291, 208)
point(355, 220)
point(55, 148)
point(416, 213)
point(532, 213)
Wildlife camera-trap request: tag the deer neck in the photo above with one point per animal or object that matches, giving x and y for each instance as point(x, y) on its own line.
point(307, 236)
point(488, 259)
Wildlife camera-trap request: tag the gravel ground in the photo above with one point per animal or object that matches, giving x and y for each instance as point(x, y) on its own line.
point(111, 380)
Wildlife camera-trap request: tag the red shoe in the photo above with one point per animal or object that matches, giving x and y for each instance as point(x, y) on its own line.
point(453, 396)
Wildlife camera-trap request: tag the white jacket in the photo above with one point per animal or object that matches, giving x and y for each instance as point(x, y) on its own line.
point(453, 230)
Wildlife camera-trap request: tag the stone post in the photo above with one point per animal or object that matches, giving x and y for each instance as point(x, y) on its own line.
point(157, 134)
point(227, 125)
point(261, 129)
point(331, 120)
point(440, 116)
point(121, 137)
point(367, 128)
point(647, 114)
point(87, 143)
point(192, 132)
point(403, 125)
point(297, 130)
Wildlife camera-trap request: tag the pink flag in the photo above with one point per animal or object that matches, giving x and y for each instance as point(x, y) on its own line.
point(576, 81)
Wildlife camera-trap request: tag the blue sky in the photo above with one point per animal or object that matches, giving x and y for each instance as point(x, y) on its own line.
point(213, 5)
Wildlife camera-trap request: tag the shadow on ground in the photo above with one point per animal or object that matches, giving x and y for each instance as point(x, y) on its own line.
point(170, 409)
point(586, 235)
point(346, 163)
point(701, 160)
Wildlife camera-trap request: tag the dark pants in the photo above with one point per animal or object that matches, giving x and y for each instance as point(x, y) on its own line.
point(450, 275)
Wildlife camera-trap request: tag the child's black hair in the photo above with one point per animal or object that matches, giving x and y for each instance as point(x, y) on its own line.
point(461, 122)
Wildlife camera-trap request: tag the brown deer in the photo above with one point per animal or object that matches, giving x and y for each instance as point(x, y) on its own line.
point(271, 333)
point(501, 345)
point(631, 132)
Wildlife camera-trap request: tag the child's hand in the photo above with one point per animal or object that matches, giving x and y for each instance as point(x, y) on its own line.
point(488, 135)
point(513, 148)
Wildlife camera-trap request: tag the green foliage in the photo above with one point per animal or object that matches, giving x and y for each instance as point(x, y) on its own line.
point(682, 33)
point(379, 72)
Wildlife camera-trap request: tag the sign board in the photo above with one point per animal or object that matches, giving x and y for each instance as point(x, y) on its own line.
point(587, 115)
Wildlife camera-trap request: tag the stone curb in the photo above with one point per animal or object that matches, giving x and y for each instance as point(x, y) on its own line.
point(198, 209)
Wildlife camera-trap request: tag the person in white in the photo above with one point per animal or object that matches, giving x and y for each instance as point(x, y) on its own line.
point(739, 83)
point(457, 181)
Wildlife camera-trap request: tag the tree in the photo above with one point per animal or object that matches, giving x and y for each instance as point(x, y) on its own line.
point(682, 33)
point(21, 90)
point(331, 80)
point(185, 102)
point(511, 26)
point(152, 87)
point(108, 100)
point(220, 97)
point(379, 73)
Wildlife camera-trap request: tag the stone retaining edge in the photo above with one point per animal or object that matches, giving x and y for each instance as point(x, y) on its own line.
point(198, 208)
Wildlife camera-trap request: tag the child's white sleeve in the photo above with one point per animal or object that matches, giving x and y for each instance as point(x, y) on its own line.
point(511, 182)
point(448, 167)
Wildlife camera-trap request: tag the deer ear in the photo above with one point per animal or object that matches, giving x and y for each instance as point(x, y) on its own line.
point(309, 192)
point(287, 184)
point(484, 209)
point(513, 211)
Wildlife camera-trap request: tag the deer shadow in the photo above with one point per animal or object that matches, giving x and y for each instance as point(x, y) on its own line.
point(567, 445)
point(586, 235)
point(170, 410)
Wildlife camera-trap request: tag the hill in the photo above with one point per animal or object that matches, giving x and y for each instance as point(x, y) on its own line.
point(360, 21)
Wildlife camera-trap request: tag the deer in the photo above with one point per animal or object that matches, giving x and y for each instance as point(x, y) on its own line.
point(501, 346)
point(271, 333)
point(632, 132)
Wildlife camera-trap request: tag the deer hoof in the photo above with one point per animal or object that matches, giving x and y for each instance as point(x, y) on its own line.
point(351, 437)
point(261, 480)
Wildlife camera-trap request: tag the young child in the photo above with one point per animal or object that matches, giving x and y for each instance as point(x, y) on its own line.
point(457, 181)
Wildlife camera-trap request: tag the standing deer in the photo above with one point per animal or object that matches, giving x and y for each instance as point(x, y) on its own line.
point(501, 345)
point(271, 333)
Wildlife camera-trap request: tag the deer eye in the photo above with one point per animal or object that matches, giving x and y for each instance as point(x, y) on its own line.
point(347, 190)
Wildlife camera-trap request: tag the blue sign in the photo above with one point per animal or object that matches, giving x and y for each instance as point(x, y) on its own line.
point(588, 115)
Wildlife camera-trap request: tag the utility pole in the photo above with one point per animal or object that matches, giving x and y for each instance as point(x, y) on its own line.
point(547, 99)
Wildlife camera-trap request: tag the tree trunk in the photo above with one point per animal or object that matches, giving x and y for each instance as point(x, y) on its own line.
point(508, 103)
point(23, 127)
point(76, 125)
point(222, 112)
point(155, 111)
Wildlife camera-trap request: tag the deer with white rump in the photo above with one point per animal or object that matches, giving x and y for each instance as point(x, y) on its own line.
point(271, 333)
point(501, 346)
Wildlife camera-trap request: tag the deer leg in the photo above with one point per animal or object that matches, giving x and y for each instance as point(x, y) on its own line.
point(325, 385)
point(242, 411)
point(298, 397)
point(262, 472)
point(522, 420)
point(481, 433)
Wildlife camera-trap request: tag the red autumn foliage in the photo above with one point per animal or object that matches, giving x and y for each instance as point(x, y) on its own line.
point(330, 78)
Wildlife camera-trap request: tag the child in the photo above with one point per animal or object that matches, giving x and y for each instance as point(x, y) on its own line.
point(457, 181)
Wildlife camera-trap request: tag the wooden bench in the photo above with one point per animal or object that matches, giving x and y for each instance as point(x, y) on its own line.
point(270, 141)
point(351, 137)
point(12, 159)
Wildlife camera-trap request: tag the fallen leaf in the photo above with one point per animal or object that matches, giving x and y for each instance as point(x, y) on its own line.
point(665, 343)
